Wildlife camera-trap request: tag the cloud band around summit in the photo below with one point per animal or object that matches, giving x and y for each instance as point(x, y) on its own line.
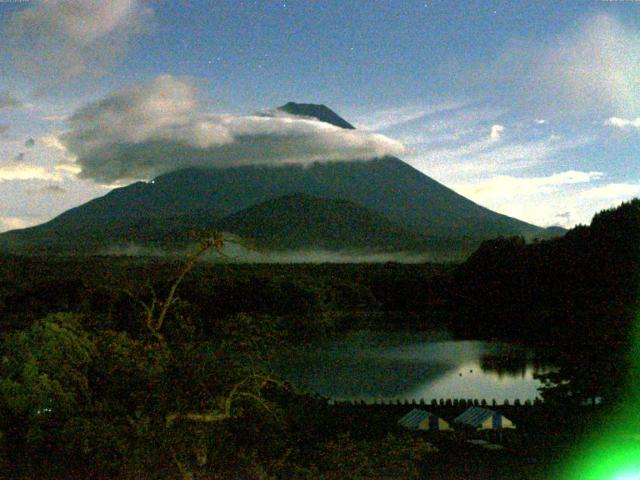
point(158, 127)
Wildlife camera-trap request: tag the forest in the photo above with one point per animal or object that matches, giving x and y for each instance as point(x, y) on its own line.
point(141, 367)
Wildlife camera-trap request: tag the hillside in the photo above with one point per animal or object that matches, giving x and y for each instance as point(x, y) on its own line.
point(173, 203)
point(301, 221)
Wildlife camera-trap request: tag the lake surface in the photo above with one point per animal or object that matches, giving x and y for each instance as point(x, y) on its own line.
point(387, 366)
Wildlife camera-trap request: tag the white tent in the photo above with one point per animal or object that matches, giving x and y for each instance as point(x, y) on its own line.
point(421, 420)
point(479, 418)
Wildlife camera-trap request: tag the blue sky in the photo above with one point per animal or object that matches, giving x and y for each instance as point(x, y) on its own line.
point(529, 108)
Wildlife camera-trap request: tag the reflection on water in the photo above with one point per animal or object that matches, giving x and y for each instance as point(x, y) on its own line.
point(511, 361)
point(399, 366)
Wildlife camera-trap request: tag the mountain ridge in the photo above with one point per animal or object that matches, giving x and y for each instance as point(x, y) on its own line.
point(390, 189)
point(314, 222)
point(319, 112)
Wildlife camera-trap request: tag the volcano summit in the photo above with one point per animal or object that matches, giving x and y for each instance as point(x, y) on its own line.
point(376, 205)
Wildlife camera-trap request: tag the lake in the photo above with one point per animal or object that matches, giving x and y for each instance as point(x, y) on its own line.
point(372, 366)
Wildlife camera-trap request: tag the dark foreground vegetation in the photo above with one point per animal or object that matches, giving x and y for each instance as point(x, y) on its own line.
point(117, 367)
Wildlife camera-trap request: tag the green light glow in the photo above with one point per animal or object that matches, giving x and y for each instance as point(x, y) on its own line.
point(614, 453)
point(628, 476)
point(613, 458)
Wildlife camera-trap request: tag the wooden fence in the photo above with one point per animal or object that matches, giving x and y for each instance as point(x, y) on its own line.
point(456, 402)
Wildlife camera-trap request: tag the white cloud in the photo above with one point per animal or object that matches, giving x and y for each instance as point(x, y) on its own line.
point(63, 39)
point(13, 223)
point(389, 118)
point(41, 159)
point(479, 158)
point(622, 122)
point(613, 191)
point(593, 67)
point(159, 127)
point(51, 141)
point(496, 132)
point(31, 191)
point(51, 189)
point(68, 168)
point(564, 198)
point(448, 129)
point(20, 171)
point(509, 186)
point(463, 120)
point(469, 151)
point(54, 118)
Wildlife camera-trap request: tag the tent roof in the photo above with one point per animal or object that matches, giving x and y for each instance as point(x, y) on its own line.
point(414, 418)
point(475, 416)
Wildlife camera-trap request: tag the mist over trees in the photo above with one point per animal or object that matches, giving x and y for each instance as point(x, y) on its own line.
point(158, 368)
point(160, 393)
point(576, 294)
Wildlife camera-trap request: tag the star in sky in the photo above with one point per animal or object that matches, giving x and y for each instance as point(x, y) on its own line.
point(433, 75)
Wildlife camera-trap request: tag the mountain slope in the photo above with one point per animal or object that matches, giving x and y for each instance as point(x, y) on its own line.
point(178, 201)
point(301, 221)
point(319, 112)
